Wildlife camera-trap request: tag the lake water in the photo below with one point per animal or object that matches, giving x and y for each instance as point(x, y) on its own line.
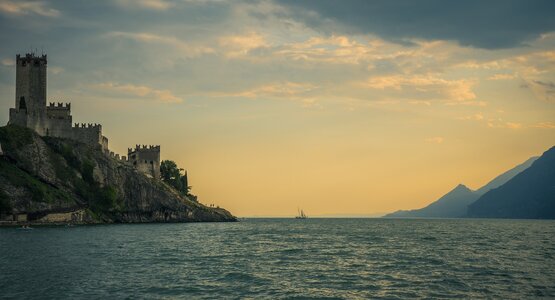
point(282, 258)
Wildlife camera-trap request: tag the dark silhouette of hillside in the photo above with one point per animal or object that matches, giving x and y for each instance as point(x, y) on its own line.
point(455, 203)
point(528, 195)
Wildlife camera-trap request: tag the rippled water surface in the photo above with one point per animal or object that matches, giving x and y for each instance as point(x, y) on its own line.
point(279, 258)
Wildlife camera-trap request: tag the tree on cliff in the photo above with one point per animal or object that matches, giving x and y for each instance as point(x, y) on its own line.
point(172, 175)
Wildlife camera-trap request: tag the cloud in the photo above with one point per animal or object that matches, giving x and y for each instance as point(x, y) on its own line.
point(474, 117)
point(22, 8)
point(296, 91)
point(420, 102)
point(284, 89)
point(501, 77)
point(509, 125)
point(492, 24)
point(164, 96)
point(55, 70)
point(430, 86)
point(544, 125)
point(241, 45)
point(526, 65)
point(548, 85)
point(334, 49)
point(146, 4)
point(500, 123)
point(434, 140)
point(544, 90)
point(185, 49)
point(8, 62)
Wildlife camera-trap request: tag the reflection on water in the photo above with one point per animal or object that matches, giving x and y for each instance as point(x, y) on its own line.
point(275, 258)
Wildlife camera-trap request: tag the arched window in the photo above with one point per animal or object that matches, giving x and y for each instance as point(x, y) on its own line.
point(22, 104)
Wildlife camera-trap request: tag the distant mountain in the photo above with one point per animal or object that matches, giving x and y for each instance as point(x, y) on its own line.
point(528, 195)
point(503, 178)
point(451, 205)
point(455, 203)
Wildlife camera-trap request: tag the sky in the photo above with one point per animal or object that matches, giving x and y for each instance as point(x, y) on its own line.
point(348, 107)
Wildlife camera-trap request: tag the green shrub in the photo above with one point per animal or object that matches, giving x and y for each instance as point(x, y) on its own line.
point(171, 174)
point(5, 205)
point(87, 168)
point(40, 191)
point(13, 137)
point(107, 199)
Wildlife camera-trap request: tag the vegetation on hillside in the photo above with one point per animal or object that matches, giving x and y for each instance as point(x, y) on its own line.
point(40, 191)
point(171, 174)
point(100, 199)
point(44, 175)
point(74, 173)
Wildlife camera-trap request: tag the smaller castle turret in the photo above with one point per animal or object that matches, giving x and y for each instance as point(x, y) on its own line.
point(145, 159)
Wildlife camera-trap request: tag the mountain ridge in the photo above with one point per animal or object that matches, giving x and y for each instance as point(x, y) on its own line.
point(454, 203)
point(528, 195)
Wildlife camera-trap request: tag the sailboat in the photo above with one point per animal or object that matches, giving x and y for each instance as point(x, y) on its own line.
point(301, 215)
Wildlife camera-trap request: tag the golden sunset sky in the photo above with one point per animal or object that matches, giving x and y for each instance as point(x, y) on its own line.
point(336, 107)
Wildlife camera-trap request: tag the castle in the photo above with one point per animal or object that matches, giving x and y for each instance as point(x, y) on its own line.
point(55, 119)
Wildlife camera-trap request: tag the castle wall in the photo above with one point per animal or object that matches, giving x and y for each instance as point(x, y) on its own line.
point(104, 143)
point(18, 117)
point(59, 128)
point(59, 110)
point(59, 120)
point(90, 134)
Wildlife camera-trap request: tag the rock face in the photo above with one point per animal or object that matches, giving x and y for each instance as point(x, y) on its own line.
point(455, 203)
point(530, 194)
point(46, 179)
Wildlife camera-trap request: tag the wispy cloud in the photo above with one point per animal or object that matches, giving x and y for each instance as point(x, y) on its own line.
point(474, 117)
point(544, 90)
point(145, 4)
point(500, 124)
point(164, 96)
point(284, 89)
point(241, 45)
point(502, 77)
point(544, 125)
point(334, 49)
point(434, 140)
point(433, 86)
point(184, 48)
point(7, 62)
point(295, 91)
point(21, 8)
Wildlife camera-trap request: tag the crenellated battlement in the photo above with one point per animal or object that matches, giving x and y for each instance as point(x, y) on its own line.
point(146, 158)
point(59, 105)
point(87, 125)
point(30, 58)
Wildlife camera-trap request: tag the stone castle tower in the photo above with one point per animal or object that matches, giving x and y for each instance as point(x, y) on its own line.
point(55, 119)
point(30, 93)
point(146, 159)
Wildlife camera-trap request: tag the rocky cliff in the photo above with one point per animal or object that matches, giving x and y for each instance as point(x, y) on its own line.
point(44, 179)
